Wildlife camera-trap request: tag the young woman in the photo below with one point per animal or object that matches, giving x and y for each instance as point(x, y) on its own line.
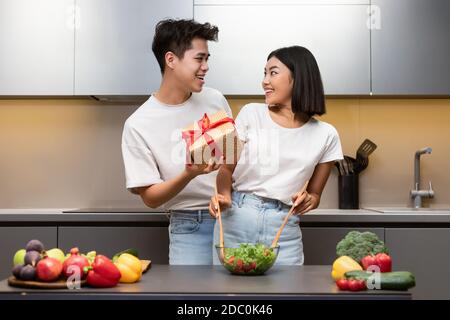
point(284, 146)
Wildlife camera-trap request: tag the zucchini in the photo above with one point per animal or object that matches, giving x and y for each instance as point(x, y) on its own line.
point(131, 251)
point(398, 280)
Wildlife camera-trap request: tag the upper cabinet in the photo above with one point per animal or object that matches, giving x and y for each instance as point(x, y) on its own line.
point(336, 32)
point(411, 47)
point(36, 47)
point(113, 54)
point(103, 47)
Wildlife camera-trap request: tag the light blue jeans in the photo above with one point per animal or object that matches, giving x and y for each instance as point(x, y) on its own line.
point(191, 237)
point(253, 219)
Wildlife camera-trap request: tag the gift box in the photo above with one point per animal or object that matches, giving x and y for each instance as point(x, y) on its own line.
point(213, 136)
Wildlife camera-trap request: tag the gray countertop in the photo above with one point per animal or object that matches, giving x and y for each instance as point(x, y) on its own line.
point(214, 282)
point(109, 215)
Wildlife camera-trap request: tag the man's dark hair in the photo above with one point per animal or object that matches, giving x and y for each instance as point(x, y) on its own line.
point(307, 92)
point(177, 35)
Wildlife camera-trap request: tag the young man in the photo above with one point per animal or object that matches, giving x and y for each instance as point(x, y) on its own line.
point(153, 151)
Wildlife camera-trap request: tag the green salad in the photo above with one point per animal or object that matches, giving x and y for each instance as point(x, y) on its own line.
point(249, 258)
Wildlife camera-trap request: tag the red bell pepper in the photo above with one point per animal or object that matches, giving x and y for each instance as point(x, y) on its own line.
point(103, 273)
point(381, 260)
point(368, 261)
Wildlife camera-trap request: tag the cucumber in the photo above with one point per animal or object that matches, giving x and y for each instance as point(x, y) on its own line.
point(398, 280)
point(131, 251)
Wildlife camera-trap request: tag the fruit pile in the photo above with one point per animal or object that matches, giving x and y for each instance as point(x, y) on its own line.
point(34, 263)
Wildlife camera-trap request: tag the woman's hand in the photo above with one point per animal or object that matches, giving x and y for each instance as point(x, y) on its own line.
point(305, 202)
point(224, 203)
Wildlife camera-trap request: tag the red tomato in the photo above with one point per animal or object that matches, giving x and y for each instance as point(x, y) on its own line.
point(250, 266)
point(239, 266)
point(230, 260)
point(342, 284)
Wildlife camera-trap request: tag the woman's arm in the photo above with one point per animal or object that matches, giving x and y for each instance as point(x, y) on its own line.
point(224, 181)
point(311, 198)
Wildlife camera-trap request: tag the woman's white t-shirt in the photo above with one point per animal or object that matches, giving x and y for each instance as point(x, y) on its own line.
point(276, 161)
point(153, 149)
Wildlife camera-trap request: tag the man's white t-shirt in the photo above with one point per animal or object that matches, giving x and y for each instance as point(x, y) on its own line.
point(277, 161)
point(153, 150)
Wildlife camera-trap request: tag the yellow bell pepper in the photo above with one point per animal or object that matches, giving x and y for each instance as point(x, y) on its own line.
point(343, 264)
point(130, 268)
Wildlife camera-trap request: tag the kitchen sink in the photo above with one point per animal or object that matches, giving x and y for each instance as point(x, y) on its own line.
point(407, 210)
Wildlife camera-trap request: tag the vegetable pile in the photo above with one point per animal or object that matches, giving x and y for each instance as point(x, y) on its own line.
point(363, 263)
point(249, 258)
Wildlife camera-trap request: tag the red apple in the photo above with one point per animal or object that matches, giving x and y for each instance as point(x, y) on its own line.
point(49, 269)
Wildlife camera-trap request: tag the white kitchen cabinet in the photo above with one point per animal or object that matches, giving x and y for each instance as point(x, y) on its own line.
point(36, 47)
point(411, 47)
point(113, 42)
point(337, 35)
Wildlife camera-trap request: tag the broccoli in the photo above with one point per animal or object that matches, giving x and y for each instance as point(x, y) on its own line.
point(357, 245)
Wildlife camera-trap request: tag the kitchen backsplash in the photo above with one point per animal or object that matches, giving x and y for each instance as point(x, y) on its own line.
point(60, 153)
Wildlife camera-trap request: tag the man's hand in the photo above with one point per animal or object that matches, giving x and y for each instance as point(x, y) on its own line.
point(304, 202)
point(224, 203)
point(194, 170)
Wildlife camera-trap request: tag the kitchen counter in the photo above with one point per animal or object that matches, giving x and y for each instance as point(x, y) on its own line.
point(214, 282)
point(319, 217)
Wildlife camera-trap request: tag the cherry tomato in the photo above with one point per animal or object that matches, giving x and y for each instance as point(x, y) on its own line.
point(362, 284)
point(231, 260)
point(342, 284)
point(356, 285)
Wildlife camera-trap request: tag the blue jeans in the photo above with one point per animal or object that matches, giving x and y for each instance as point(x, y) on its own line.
point(191, 237)
point(253, 219)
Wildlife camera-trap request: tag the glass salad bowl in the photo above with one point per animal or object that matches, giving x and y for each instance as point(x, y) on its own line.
point(248, 258)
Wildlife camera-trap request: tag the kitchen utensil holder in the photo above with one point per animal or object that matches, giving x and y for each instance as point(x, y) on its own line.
point(348, 189)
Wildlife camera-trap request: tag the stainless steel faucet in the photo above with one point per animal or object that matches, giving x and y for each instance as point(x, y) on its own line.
point(416, 193)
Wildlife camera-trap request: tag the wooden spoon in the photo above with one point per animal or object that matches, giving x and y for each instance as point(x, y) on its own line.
point(219, 215)
point(277, 237)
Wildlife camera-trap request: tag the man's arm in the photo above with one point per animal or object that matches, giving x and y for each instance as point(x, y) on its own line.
point(158, 194)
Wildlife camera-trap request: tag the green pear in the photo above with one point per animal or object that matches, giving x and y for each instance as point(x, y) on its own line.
point(57, 254)
point(19, 257)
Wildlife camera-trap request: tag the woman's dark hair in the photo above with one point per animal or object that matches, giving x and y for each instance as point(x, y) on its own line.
point(307, 92)
point(177, 35)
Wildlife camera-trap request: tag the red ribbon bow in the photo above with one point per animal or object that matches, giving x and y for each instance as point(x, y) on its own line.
point(190, 136)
